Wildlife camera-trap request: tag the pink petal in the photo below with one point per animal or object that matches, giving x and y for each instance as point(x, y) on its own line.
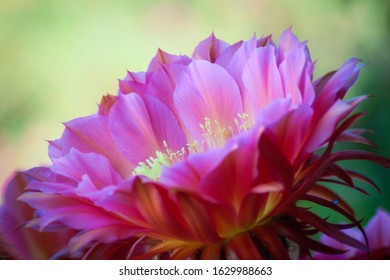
point(121, 203)
point(86, 188)
point(92, 134)
point(378, 229)
point(75, 165)
point(323, 126)
point(48, 202)
point(295, 79)
point(291, 130)
point(335, 86)
point(55, 149)
point(140, 129)
point(188, 174)
point(232, 179)
point(210, 92)
point(133, 82)
point(63, 186)
point(79, 217)
point(209, 49)
point(240, 58)
point(226, 56)
point(273, 112)
point(261, 78)
point(45, 180)
point(287, 41)
point(106, 104)
point(307, 88)
point(165, 125)
point(163, 58)
point(163, 82)
point(236, 65)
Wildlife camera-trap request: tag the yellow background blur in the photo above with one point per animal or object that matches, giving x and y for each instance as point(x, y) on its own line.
point(57, 58)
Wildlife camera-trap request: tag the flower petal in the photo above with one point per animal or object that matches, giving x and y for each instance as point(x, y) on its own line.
point(209, 49)
point(22, 242)
point(261, 78)
point(142, 132)
point(211, 93)
point(290, 131)
point(377, 230)
point(92, 134)
point(75, 165)
point(295, 77)
point(334, 85)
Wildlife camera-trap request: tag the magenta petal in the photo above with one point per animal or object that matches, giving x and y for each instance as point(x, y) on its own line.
point(378, 229)
point(92, 134)
point(209, 49)
point(335, 86)
point(324, 127)
point(142, 132)
point(273, 112)
point(296, 80)
point(231, 180)
point(45, 180)
point(165, 125)
point(48, 202)
point(261, 78)
point(52, 187)
point(163, 58)
point(287, 41)
point(121, 203)
point(291, 130)
point(240, 57)
point(187, 174)
point(132, 129)
point(55, 149)
point(76, 165)
point(226, 56)
point(163, 82)
point(210, 92)
point(133, 82)
point(86, 188)
point(236, 64)
point(79, 217)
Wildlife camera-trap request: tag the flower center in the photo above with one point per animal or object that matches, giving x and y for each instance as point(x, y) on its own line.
point(214, 136)
point(153, 166)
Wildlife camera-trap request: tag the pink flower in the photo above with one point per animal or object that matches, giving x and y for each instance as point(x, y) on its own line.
point(206, 157)
point(377, 231)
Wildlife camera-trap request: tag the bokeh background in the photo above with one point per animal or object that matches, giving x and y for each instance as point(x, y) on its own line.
point(57, 58)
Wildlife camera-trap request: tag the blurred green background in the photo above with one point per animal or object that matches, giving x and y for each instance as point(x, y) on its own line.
point(57, 58)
